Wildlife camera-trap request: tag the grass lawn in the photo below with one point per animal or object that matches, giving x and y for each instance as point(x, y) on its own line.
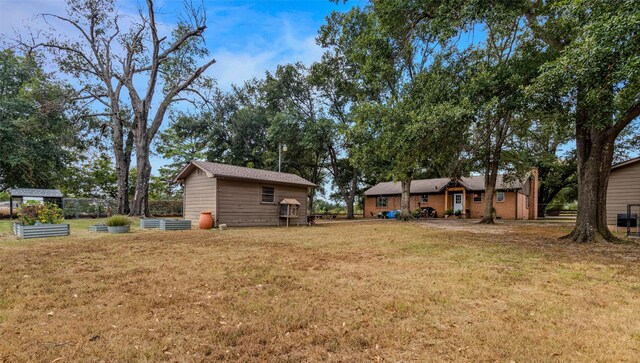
point(369, 291)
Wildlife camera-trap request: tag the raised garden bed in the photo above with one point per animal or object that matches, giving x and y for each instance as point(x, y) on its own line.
point(175, 224)
point(150, 223)
point(41, 230)
point(98, 228)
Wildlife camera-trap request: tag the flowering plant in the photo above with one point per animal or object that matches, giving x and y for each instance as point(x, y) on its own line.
point(32, 212)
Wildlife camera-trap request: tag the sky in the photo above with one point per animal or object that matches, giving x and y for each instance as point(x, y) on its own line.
point(247, 38)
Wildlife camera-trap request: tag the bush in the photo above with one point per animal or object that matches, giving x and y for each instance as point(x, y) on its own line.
point(32, 211)
point(28, 213)
point(448, 211)
point(118, 221)
point(50, 213)
point(458, 213)
point(165, 207)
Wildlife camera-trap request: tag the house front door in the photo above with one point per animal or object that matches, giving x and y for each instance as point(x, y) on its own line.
point(457, 202)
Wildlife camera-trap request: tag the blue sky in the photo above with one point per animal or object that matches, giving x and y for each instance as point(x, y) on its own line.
point(247, 38)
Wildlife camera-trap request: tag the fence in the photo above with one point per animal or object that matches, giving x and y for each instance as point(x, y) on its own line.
point(98, 208)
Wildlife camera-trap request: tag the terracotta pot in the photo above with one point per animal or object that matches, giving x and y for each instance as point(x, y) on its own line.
point(206, 220)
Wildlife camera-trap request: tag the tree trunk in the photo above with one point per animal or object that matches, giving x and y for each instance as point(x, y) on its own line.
point(489, 191)
point(350, 214)
point(595, 155)
point(122, 171)
point(143, 165)
point(122, 151)
point(405, 203)
point(311, 196)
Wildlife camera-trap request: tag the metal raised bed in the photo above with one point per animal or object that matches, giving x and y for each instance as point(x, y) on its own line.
point(41, 230)
point(98, 228)
point(149, 223)
point(175, 224)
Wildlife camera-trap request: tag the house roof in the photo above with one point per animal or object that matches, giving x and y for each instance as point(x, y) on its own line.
point(437, 185)
point(625, 163)
point(225, 171)
point(30, 192)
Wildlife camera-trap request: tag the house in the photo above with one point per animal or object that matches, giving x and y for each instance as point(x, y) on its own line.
point(19, 196)
point(623, 189)
point(239, 196)
point(512, 200)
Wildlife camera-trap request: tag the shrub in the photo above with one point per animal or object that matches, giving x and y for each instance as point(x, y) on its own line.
point(458, 213)
point(28, 213)
point(50, 213)
point(117, 221)
point(448, 211)
point(32, 211)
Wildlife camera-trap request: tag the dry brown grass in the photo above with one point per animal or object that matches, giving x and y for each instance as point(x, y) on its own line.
point(386, 291)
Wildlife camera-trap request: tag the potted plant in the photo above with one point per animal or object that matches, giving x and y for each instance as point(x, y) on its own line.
point(118, 224)
point(40, 220)
point(448, 212)
point(458, 213)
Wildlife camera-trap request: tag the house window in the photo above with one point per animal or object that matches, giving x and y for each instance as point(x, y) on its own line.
point(500, 197)
point(268, 194)
point(477, 197)
point(424, 198)
point(381, 202)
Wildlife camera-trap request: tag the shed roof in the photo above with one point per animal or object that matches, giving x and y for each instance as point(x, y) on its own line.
point(217, 170)
point(421, 186)
point(625, 163)
point(31, 192)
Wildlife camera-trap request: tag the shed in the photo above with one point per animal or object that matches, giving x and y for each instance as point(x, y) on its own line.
point(240, 196)
point(623, 189)
point(22, 195)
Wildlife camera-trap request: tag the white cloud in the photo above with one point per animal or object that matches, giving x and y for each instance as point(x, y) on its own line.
point(261, 55)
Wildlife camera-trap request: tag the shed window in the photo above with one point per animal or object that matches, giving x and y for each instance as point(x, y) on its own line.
point(381, 201)
point(424, 198)
point(477, 197)
point(500, 197)
point(268, 195)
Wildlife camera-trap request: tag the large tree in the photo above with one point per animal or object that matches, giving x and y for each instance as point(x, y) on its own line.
point(296, 119)
point(112, 60)
point(395, 52)
point(39, 138)
point(594, 68)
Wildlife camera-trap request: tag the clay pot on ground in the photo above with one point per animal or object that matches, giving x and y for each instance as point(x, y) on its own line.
point(206, 220)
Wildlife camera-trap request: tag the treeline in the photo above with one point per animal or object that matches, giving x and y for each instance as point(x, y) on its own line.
point(423, 89)
point(404, 90)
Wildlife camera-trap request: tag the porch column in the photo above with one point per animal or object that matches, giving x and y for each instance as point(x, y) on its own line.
point(446, 197)
point(464, 201)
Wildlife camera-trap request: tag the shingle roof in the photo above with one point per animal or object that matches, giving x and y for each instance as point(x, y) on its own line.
point(30, 192)
point(217, 170)
point(625, 163)
point(474, 183)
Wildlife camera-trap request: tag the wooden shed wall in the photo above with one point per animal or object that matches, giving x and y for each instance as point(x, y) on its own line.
point(624, 188)
point(239, 203)
point(199, 195)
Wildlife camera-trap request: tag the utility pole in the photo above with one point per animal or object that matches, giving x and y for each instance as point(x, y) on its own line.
point(281, 148)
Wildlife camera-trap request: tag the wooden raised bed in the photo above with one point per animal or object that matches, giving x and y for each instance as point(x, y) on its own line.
point(175, 224)
point(150, 223)
point(41, 230)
